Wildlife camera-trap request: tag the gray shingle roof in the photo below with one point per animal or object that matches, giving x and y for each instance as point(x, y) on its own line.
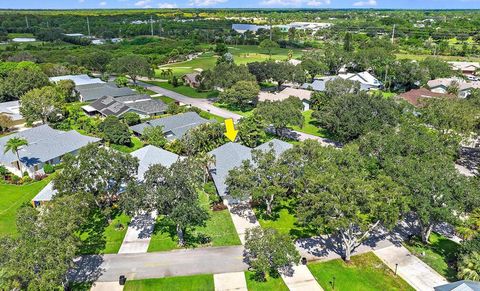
point(45, 143)
point(78, 79)
point(107, 105)
point(149, 107)
point(46, 194)
point(318, 84)
point(151, 155)
point(90, 92)
point(464, 285)
point(231, 155)
point(178, 124)
point(142, 104)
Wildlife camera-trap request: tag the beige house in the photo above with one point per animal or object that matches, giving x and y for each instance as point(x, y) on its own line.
point(302, 94)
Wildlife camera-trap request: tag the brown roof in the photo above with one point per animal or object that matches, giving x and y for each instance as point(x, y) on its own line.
point(417, 97)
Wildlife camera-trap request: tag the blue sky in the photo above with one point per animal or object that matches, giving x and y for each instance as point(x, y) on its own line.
point(78, 4)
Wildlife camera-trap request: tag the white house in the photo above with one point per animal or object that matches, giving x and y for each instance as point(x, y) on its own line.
point(367, 80)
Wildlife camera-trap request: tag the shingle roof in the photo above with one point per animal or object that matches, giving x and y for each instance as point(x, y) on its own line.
point(364, 78)
point(231, 155)
point(77, 79)
point(143, 104)
point(178, 124)
point(90, 92)
point(446, 82)
point(284, 94)
point(12, 109)
point(464, 285)
point(417, 97)
point(151, 155)
point(107, 105)
point(45, 143)
point(149, 107)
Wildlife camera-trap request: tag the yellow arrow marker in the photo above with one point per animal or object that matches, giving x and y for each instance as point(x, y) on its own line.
point(231, 133)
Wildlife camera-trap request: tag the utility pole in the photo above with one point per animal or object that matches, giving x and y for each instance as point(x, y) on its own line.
point(151, 25)
point(26, 20)
point(393, 34)
point(88, 26)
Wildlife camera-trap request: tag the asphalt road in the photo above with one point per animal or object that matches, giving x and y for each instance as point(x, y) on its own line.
point(107, 268)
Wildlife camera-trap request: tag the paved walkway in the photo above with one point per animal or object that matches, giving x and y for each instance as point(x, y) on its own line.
point(106, 286)
point(138, 234)
point(300, 278)
point(418, 274)
point(230, 281)
point(108, 268)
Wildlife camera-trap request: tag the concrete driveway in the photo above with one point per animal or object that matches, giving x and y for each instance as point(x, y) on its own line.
point(107, 268)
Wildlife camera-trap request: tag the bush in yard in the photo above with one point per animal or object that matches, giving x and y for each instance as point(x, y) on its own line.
point(115, 131)
point(469, 267)
point(131, 118)
point(267, 251)
point(121, 81)
point(48, 169)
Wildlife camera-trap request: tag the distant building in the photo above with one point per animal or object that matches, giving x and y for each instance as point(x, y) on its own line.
point(367, 80)
point(442, 85)
point(302, 94)
point(141, 104)
point(318, 84)
point(174, 126)
point(74, 34)
point(12, 109)
point(418, 97)
point(45, 146)
point(77, 79)
point(191, 79)
point(92, 92)
point(467, 68)
point(242, 28)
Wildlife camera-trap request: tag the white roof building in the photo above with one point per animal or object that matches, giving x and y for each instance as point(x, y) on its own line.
point(365, 78)
point(77, 79)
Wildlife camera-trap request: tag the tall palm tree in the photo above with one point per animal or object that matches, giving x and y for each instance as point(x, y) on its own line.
point(207, 160)
point(13, 145)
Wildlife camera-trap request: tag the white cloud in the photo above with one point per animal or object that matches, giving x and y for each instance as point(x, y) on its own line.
point(167, 5)
point(81, 1)
point(365, 3)
point(315, 3)
point(143, 3)
point(206, 2)
point(103, 3)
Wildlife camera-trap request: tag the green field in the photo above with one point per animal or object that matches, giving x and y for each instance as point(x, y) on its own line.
point(363, 273)
point(192, 283)
point(219, 231)
point(11, 198)
point(101, 237)
point(270, 283)
point(242, 54)
point(440, 254)
point(310, 125)
point(185, 90)
point(133, 146)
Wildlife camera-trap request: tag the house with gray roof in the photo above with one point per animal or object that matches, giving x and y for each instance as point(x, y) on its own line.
point(318, 84)
point(77, 79)
point(147, 156)
point(463, 285)
point(45, 146)
point(12, 110)
point(141, 104)
point(174, 126)
point(231, 155)
point(92, 92)
point(152, 155)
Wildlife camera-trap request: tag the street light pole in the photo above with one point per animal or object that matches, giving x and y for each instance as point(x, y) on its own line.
point(396, 268)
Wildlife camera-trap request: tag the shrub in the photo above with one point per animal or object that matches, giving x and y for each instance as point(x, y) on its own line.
point(48, 169)
point(131, 118)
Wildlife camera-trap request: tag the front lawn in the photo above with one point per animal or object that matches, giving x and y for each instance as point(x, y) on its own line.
point(270, 283)
point(101, 237)
point(310, 125)
point(185, 90)
point(165, 99)
point(364, 272)
point(284, 221)
point(133, 146)
point(12, 197)
point(219, 231)
point(243, 112)
point(440, 254)
point(193, 283)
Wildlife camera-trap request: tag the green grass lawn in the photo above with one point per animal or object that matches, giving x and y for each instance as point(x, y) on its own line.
point(440, 254)
point(276, 284)
point(364, 272)
point(15, 35)
point(310, 125)
point(208, 115)
point(219, 231)
point(165, 99)
point(192, 283)
point(12, 197)
point(101, 237)
point(243, 112)
point(135, 145)
point(284, 221)
point(445, 58)
point(185, 90)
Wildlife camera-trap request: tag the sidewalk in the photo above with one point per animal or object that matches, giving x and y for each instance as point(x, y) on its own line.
point(139, 234)
point(301, 279)
point(230, 281)
point(418, 274)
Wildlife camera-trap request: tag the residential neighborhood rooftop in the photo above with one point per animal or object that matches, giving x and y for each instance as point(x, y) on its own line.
point(91, 92)
point(78, 79)
point(417, 97)
point(231, 155)
point(12, 109)
point(174, 126)
point(152, 155)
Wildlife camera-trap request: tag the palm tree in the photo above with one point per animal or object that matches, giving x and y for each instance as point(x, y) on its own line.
point(469, 267)
point(207, 160)
point(13, 145)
